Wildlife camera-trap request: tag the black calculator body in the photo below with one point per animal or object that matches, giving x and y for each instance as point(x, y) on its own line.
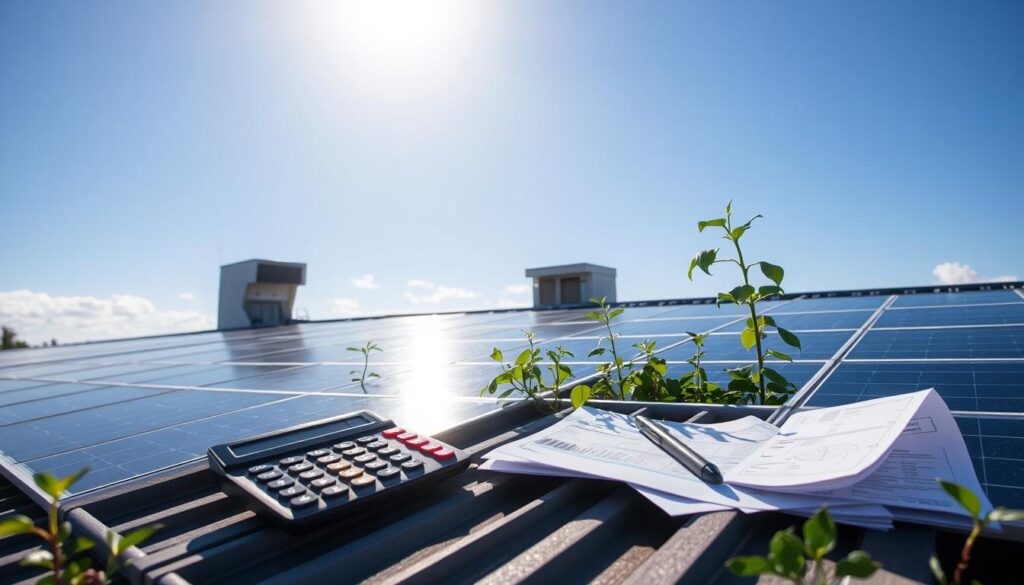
point(313, 472)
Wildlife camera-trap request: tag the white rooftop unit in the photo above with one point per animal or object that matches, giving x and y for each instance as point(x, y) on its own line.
point(571, 284)
point(258, 293)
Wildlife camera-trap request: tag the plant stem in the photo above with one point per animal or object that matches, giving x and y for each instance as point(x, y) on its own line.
point(366, 366)
point(54, 540)
point(753, 318)
point(615, 354)
point(965, 554)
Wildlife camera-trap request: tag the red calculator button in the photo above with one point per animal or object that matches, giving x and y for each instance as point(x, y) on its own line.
point(417, 442)
point(442, 454)
point(406, 437)
point(431, 447)
point(393, 432)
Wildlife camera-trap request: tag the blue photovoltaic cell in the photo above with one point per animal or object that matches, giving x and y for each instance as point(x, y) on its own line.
point(996, 446)
point(954, 315)
point(960, 298)
point(970, 342)
point(41, 391)
point(987, 387)
point(816, 346)
point(795, 322)
point(835, 303)
point(672, 326)
point(54, 405)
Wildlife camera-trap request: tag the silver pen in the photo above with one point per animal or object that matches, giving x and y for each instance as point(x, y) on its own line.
point(690, 459)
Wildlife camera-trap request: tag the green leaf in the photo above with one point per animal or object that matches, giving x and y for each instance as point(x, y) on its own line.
point(779, 355)
point(775, 376)
point(355, 349)
point(1005, 515)
point(615, 313)
point(580, 395)
point(936, 567)
point(772, 272)
point(38, 558)
point(134, 537)
point(787, 552)
point(704, 259)
point(737, 233)
point(16, 525)
point(767, 291)
point(55, 487)
point(724, 298)
point(373, 375)
point(596, 351)
point(748, 566)
point(858, 564)
point(78, 545)
point(599, 301)
point(524, 357)
point(720, 222)
point(497, 356)
point(788, 337)
point(767, 320)
point(748, 338)
point(819, 534)
point(742, 292)
point(963, 496)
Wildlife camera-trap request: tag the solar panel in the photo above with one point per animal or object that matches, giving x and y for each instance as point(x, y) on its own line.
point(132, 407)
point(996, 446)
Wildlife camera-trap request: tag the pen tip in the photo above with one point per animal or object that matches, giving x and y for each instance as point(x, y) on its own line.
point(711, 474)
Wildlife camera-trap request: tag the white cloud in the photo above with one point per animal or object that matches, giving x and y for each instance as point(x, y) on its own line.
point(519, 289)
point(366, 282)
point(505, 303)
point(439, 294)
point(344, 306)
point(186, 296)
point(38, 316)
point(419, 283)
point(957, 273)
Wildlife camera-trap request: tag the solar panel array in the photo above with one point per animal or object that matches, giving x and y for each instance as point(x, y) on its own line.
point(133, 407)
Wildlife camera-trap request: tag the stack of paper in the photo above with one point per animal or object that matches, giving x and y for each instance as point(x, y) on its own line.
point(870, 462)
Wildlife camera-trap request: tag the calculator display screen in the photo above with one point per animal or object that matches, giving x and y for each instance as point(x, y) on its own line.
point(257, 445)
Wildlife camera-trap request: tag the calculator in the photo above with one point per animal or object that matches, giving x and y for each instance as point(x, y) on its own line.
point(316, 471)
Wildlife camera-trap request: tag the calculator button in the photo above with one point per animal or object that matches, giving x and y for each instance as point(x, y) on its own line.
point(269, 475)
point(442, 454)
point(365, 457)
point(291, 460)
point(350, 474)
point(353, 452)
point(334, 491)
point(258, 469)
point(310, 475)
point(406, 437)
point(344, 446)
point(375, 465)
point(302, 501)
point(412, 464)
point(389, 473)
point(364, 481)
point(323, 482)
point(280, 483)
point(400, 457)
point(328, 459)
point(338, 467)
point(300, 467)
point(291, 492)
point(366, 439)
point(431, 447)
point(374, 446)
point(387, 452)
point(417, 442)
point(317, 453)
point(393, 432)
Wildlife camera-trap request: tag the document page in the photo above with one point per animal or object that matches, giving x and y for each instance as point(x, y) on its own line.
point(607, 445)
point(830, 447)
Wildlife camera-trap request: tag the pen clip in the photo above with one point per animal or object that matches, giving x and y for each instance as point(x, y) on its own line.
point(638, 412)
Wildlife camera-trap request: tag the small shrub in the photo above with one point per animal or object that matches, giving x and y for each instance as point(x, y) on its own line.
point(363, 375)
point(524, 376)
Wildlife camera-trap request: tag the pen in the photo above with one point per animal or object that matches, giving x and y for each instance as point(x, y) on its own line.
point(690, 459)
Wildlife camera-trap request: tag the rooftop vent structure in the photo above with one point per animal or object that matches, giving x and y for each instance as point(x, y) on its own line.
point(571, 284)
point(258, 293)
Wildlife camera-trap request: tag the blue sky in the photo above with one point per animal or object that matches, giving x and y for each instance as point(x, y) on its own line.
point(457, 143)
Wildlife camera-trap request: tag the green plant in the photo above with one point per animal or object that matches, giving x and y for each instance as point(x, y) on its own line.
point(650, 383)
point(969, 501)
point(526, 377)
point(364, 374)
point(612, 382)
point(788, 555)
point(757, 383)
point(63, 556)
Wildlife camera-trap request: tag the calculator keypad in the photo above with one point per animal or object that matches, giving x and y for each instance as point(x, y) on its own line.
point(347, 470)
